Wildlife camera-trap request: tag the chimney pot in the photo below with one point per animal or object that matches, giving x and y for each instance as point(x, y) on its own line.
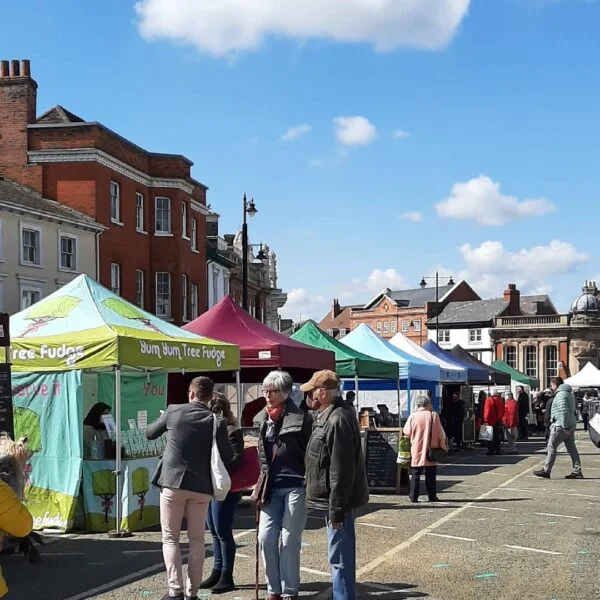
point(25, 68)
point(4, 68)
point(14, 68)
point(513, 297)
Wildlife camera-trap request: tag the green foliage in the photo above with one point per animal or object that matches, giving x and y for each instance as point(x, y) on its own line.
point(140, 481)
point(104, 483)
point(53, 308)
point(27, 423)
point(124, 309)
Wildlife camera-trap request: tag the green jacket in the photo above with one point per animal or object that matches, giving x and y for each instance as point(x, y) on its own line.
point(563, 408)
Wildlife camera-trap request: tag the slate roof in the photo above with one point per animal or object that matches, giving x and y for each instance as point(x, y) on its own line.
point(410, 298)
point(483, 311)
point(19, 197)
point(341, 321)
point(59, 114)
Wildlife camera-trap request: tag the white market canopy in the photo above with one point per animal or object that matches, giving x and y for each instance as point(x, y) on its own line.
point(589, 376)
point(449, 372)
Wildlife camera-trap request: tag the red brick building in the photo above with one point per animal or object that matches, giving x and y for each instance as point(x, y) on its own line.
point(153, 252)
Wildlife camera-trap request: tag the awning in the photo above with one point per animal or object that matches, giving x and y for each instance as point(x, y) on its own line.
point(516, 375)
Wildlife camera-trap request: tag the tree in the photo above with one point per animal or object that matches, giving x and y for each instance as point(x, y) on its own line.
point(140, 482)
point(104, 485)
point(128, 311)
point(49, 310)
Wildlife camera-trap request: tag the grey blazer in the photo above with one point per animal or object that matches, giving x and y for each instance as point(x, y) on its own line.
point(185, 464)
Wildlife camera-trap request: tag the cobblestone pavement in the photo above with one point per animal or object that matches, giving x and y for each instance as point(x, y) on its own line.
point(499, 533)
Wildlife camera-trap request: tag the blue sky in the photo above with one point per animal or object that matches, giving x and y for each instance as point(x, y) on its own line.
point(479, 115)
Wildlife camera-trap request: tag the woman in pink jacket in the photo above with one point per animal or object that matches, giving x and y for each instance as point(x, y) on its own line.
point(421, 426)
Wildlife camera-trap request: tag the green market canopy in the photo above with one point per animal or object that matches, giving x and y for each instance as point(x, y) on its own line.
point(85, 326)
point(515, 375)
point(348, 362)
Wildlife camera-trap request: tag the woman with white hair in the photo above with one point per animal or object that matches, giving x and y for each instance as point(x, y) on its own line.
point(425, 431)
point(284, 432)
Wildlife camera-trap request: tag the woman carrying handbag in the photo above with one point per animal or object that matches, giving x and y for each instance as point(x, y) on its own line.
point(427, 447)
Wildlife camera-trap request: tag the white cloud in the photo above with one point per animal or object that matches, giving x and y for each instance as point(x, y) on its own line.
point(400, 134)
point(293, 133)
point(354, 131)
point(488, 268)
point(302, 304)
point(225, 27)
point(481, 200)
point(414, 215)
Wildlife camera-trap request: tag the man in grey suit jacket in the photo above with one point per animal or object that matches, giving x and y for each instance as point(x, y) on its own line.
point(184, 477)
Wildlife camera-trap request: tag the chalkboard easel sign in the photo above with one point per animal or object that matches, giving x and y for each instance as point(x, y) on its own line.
point(6, 407)
point(381, 454)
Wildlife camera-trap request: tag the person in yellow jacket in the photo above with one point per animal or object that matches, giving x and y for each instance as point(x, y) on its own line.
point(15, 520)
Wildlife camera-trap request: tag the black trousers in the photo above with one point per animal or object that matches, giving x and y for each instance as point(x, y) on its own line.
point(585, 418)
point(415, 481)
point(495, 446)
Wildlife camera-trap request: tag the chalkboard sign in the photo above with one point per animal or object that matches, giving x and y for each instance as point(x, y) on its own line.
point(6, 407)
point(380, 456)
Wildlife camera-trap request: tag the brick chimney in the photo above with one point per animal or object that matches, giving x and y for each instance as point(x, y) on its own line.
point(513, 297)
point(18, 103)
point(335, 308)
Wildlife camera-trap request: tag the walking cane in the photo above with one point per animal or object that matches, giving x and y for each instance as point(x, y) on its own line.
point(256, 553)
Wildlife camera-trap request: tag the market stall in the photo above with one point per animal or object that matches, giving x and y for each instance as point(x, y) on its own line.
point(76, 347)
point(349, 363)
point(262, 349)
point(516, 376)
point(588, 377)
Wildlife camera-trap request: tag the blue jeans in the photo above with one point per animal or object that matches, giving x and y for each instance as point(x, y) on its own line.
point(342, 558)
point(220, 522)
point(282, 522)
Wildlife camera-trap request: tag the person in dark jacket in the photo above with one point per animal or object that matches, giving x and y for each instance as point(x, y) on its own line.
point(523, 402)
point(221, 513)
point(457, 419)
point(284, 431)
point(184, 478)
point(336, 480)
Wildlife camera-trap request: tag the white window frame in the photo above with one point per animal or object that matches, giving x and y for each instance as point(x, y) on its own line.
point(75, 238)
point(117, 271)
point(378, 327)
point(475, 336)
point(527, 369)
point(215, 283)
point(140, 219)
point(386, 327)
point(28, 288)
point(194, 234)
point(417, 325)
point(115, 186)
point(185, 284)
point(38, 229)
point(444, 336)
point(393, 326)
point(184, 220)
point(405, 326)
point(166, 314)
point(547, 362)
point(170, 224)
point(513, 363)
point(194, 301)
point(226, 283)
point(140, 295)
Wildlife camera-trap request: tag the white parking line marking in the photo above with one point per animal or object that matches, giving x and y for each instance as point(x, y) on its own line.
point(533, 550)
point(553, 515)
point(375, 525)
point(372, 565)
point(577, 495)
point(141, 551)
point(452, 537)
point(489, 508)
point(315, 572)
point(525, 489)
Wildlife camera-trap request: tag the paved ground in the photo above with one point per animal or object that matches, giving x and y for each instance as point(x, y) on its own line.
point(499, 533)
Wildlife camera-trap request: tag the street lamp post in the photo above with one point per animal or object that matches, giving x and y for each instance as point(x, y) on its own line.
point(437, 299)
point(249, 210)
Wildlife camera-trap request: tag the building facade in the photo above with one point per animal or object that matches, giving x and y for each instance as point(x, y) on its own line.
point(153, 250)
point(220, 262)
point(43, 246)
point(338, 321)
point(408, 311)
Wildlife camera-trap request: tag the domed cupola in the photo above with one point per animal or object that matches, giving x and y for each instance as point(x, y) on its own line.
point(587, 302)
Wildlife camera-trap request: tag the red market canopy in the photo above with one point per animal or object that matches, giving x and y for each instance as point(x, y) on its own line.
point(261, 347)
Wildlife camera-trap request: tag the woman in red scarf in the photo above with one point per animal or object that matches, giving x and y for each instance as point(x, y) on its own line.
point(284, 433)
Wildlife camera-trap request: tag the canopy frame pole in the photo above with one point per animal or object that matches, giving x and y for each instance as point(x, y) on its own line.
point(238, 386)
point(408, 395)
point(356, 392)
point(399, 402)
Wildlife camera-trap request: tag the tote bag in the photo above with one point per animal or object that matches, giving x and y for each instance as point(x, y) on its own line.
point(221, 481)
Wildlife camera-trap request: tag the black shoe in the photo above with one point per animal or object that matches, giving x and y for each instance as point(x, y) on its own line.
point(191, 597)
point(178, 597)
point(413, 500)
point(541, 473)
point(225, 584)
point(211, 580)
point(434, 499)
point(574, 475)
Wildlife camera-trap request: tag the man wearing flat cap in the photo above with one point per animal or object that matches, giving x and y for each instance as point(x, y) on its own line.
point(336, 480)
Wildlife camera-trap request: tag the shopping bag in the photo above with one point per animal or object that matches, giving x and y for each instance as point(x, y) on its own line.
point(221, 481)
point(594, 430)
point(245, 475)
point(404, 457)
point(486, 433)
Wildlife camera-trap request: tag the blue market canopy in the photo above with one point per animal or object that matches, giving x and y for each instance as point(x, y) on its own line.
point(475, 373)
point(364, 340)
point(494, 375)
